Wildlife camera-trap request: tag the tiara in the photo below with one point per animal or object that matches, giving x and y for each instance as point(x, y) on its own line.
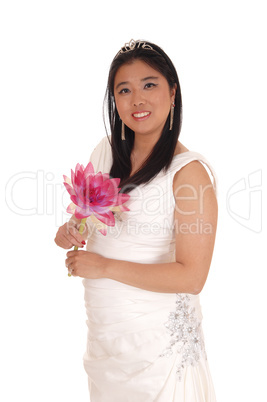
point(128, 47)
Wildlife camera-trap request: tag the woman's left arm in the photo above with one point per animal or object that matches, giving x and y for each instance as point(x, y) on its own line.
point(195, 229)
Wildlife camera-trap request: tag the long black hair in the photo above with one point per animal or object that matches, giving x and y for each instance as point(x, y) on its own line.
point(163, 151)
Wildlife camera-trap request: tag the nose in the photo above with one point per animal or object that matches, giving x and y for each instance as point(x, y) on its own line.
point(138, 99)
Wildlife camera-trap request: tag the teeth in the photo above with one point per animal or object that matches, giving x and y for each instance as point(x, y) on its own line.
point(141, 114)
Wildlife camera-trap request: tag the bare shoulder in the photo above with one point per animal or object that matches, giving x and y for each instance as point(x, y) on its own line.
point(193, 172)
point(192, 177)
point(192, 183)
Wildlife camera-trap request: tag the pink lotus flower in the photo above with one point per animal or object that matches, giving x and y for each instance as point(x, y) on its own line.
point(95, 196)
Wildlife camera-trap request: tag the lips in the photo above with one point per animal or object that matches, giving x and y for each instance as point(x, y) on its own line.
point(139, 116)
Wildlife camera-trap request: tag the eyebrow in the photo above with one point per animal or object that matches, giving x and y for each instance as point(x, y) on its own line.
point(143, 79)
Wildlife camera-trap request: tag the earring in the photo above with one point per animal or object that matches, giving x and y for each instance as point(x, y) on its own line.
point(122, 131)
point(172, 114)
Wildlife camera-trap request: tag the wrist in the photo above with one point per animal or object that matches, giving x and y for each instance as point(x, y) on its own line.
point(106, 268)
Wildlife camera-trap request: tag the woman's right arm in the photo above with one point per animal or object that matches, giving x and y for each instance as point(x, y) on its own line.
point(68, 234)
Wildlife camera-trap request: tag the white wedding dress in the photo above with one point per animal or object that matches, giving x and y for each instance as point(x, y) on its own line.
point(144, 346)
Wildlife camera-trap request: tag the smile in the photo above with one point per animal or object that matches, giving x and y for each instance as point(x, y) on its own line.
point(141, 115)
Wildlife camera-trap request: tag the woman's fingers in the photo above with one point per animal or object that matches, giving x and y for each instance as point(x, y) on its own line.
point(69, 262)
point(63, 242)
point(74, 236)
point(68, 236)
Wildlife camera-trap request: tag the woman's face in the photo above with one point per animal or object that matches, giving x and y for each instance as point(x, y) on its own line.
point(143, 98)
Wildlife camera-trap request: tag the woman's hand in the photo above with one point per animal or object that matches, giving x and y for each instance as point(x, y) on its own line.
point(68, 235)
point(85, 264)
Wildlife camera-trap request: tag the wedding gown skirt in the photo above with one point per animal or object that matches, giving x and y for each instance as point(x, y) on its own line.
point(143, 346)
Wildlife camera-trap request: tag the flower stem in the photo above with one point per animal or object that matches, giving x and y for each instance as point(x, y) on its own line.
point(81, 229)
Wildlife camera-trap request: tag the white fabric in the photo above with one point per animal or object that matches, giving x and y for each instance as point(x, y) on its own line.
point(126, 358)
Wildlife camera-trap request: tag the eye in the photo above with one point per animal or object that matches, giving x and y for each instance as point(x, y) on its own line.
point(124, 91)
point(150, 85)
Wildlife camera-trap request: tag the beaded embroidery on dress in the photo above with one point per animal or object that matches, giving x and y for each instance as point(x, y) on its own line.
point(144, 346)
point(186, 335)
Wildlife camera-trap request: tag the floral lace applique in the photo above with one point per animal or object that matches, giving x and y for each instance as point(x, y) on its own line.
point(186, 333)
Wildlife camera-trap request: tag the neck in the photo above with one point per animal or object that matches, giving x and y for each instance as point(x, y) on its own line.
point(143, 144)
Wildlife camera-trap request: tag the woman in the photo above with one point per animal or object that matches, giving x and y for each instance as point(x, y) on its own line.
point(142, 281)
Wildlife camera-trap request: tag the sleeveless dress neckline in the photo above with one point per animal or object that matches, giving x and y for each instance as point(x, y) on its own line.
point(181, 153)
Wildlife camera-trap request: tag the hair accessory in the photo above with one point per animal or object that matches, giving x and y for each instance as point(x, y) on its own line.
point(122, 131)
point(128, 47)
point(172, 114)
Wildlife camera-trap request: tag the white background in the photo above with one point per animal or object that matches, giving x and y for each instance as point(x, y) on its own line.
point(55, 57)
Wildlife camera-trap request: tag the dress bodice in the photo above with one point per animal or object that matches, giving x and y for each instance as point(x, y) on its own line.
point(146, 232)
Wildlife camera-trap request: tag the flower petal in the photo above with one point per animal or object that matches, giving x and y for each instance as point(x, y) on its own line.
point(81, 213)
point(122, 198)
point(67, 180)
point(119, 208)
point(71, 208)
point(99, 225)
point(89, 169)
point(69, 189)
point(105, 176)
point(106, 217)
point(115, 182)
